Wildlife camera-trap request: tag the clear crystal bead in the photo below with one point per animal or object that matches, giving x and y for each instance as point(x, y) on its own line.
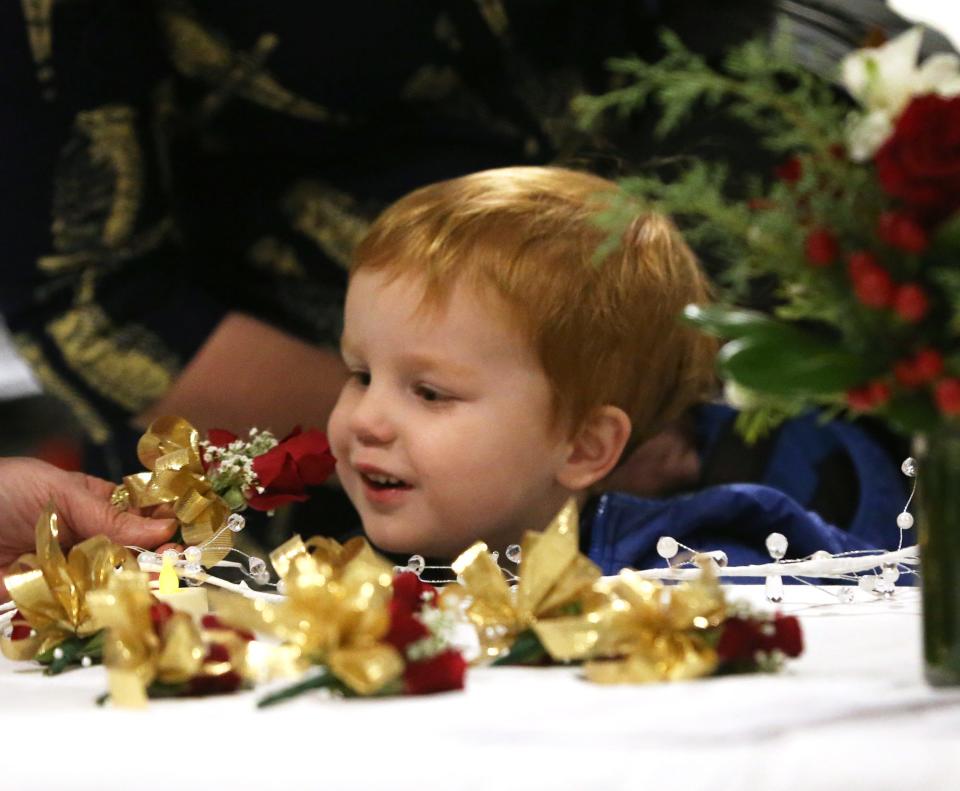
point(513, 553)
point(256, 565)
point(171, 554)
point(236, 522)
point(868, 582)
point(821, 554)
point(777, 545)
point(890, 572)
point(719, 557)
point(667, 547)
point(192, 555)
point(885, 587)
point(909, 467)
point(845, 593)
point(773, 587)
point(281, 587)
point(193, 568)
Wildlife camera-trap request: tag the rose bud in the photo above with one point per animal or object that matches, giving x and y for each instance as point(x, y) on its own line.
point(947, 395)
point(821, 247)
point(902, 232)
point(910, 303)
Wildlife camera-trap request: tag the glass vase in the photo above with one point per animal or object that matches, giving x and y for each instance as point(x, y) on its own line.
point(938, 493)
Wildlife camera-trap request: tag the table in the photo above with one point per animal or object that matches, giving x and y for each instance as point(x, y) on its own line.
point(852, 713)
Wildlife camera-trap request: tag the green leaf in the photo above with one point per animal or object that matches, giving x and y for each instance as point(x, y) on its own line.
point(912, 414)
point(792, 364)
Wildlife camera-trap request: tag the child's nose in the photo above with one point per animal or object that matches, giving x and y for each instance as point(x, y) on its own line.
point(370, 421)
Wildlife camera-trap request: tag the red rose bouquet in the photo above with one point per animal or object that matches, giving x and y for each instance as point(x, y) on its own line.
point(261, 472)
point(859, 229)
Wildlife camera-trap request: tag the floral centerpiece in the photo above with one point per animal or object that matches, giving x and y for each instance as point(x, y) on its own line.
point(859, 230)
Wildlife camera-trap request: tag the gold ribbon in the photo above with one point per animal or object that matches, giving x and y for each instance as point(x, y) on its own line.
point(52, 592)
point(646, 631)
point(137, 654)
point(336, 612)
point(170, 450)
point(554, 579)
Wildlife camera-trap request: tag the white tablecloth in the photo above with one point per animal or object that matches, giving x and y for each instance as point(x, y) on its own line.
point(852, 713)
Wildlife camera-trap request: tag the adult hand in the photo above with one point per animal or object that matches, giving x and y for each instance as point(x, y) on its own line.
point(82, 501)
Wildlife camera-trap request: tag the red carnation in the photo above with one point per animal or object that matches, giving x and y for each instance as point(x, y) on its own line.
point(440, 673)
point(947, 395)
point(405, 604)
point(739, 640)
point(821, 247)
point(910, 302)
point(902, 232)
point(284, 472)
point(920, 162)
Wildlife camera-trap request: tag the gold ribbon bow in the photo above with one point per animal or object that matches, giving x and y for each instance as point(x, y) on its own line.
point(336, 612)
point(648, 631)
point(170, 450)
point(137, 654)
point(554, 578)
point(52, 592)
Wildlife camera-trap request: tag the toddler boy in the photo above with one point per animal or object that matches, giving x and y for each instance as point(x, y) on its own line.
point(498, 363)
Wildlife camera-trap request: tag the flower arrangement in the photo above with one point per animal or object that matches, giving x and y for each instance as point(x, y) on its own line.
point(858, 229)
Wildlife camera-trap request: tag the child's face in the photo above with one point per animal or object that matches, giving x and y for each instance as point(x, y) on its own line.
point(443, 433)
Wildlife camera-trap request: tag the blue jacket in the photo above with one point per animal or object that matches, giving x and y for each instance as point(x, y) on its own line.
point(621, 531)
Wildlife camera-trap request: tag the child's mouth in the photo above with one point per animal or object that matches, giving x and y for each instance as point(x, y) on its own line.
point(382, 483)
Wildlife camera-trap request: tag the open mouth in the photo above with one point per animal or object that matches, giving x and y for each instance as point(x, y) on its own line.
point(381, 483)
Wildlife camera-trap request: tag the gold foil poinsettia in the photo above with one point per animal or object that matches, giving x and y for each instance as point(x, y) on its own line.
point(52, 593)
point(336, 611)
point(170, 450)
point(555, 581)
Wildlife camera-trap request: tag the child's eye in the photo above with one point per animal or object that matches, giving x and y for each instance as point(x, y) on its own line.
point(428, 394)
point(361, 377)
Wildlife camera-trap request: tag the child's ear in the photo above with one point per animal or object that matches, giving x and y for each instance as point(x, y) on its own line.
point(596, 448)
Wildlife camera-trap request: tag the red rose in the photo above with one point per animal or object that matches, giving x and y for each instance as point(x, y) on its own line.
point(21, 627)
point(406, 603)
point(947, 395)
point(821, 247)
point(910, 303)
point(787, 636)
point(284, 472)
point(920, 162)
point(440, 673)
point(902, 232)
point(739, 640)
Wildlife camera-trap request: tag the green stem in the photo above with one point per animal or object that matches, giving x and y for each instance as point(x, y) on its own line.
point(323, 680)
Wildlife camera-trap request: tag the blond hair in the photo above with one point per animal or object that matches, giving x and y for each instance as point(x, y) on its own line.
point(605, 327)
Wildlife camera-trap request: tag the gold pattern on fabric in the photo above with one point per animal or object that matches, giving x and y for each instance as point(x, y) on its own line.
point(495, 15)
point(554, 578)
point(270, 254)
point(137, 653)
point(113, 142)
point(643, 631)
point(199, 53)
point(37, 16)
point(336, 611)
point(329, 217)
point(127, 364)
point(95, 426)
point(52, 592)
point(170, 450)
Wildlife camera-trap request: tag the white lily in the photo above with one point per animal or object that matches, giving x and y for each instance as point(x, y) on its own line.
point(884, 80)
